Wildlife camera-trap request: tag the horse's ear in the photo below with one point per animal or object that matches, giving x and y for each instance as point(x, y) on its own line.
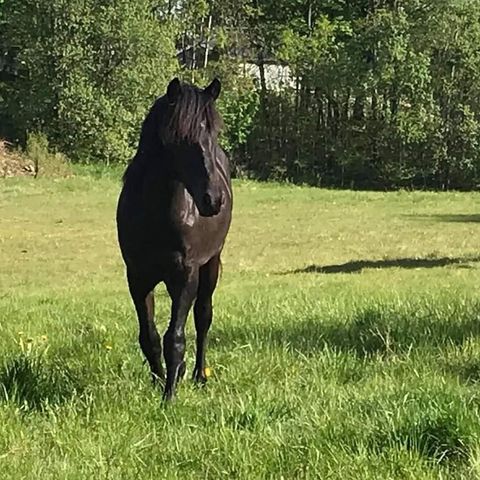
point(173, 90)
point(213, 90)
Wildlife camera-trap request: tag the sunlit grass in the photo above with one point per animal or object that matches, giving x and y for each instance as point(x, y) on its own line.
point(345, 343)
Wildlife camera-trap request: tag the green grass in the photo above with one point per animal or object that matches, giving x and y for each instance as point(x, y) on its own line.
point(345, 344)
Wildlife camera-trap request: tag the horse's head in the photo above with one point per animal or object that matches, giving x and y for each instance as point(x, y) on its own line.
point(189, 132)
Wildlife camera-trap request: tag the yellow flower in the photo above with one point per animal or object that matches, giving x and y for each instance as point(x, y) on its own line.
point(207, 372)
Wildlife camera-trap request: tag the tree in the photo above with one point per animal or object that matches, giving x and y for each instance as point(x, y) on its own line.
point(89, 71)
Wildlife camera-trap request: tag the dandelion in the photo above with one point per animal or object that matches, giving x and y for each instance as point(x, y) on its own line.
point(207, 372)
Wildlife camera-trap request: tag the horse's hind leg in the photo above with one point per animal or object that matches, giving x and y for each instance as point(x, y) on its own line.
point(203, 313)
point(143, 298)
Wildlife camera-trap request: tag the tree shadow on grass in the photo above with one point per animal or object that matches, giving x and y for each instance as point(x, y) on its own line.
point(367, 332)
point(357, 266)
point(448, 218)
point(34, 383)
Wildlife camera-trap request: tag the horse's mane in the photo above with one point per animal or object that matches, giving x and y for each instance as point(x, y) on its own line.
point(182, 121)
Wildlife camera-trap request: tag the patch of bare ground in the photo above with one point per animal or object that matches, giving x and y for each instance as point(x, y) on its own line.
point(12, 163)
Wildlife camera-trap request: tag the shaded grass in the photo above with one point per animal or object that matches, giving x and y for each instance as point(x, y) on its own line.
point(34, 384)
point(381, 328)
point(358, 266)
point(325, 375)
point(457, 218)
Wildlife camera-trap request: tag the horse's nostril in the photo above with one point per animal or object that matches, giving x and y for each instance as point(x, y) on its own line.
point(207, 199)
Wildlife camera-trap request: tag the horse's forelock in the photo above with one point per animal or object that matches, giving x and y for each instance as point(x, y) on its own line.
point(183, 120)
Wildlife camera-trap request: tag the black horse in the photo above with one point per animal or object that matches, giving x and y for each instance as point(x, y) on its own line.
point(173, 215)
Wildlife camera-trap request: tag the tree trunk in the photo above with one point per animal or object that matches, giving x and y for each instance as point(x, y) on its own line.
point(207, 41)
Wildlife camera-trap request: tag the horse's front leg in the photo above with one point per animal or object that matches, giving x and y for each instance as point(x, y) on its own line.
point(182, 289)
point(208, 276)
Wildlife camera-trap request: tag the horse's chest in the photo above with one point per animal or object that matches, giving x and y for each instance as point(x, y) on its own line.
point(183, 213)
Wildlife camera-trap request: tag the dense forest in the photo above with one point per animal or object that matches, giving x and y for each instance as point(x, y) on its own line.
point(344, 93)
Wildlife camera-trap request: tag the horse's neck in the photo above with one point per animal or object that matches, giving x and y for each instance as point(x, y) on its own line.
point(159, 187)
point(148, 144)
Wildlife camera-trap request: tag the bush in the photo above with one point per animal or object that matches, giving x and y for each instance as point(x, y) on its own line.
point(46, 163)
point(86, 72)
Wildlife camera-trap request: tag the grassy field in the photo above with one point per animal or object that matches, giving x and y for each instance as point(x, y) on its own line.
point(345, 344)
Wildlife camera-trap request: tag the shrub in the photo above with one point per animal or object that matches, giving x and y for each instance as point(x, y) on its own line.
point(86, 72)
point(46, 162)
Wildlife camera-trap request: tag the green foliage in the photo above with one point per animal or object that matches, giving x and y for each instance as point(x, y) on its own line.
point(380, 94)
point(386, 96)
point(238, 104)
point(90, 70)
point(238, 107)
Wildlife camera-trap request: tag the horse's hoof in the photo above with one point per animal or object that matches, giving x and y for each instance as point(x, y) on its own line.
point(200, 377)
point(169, 393)
point(167, 398)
